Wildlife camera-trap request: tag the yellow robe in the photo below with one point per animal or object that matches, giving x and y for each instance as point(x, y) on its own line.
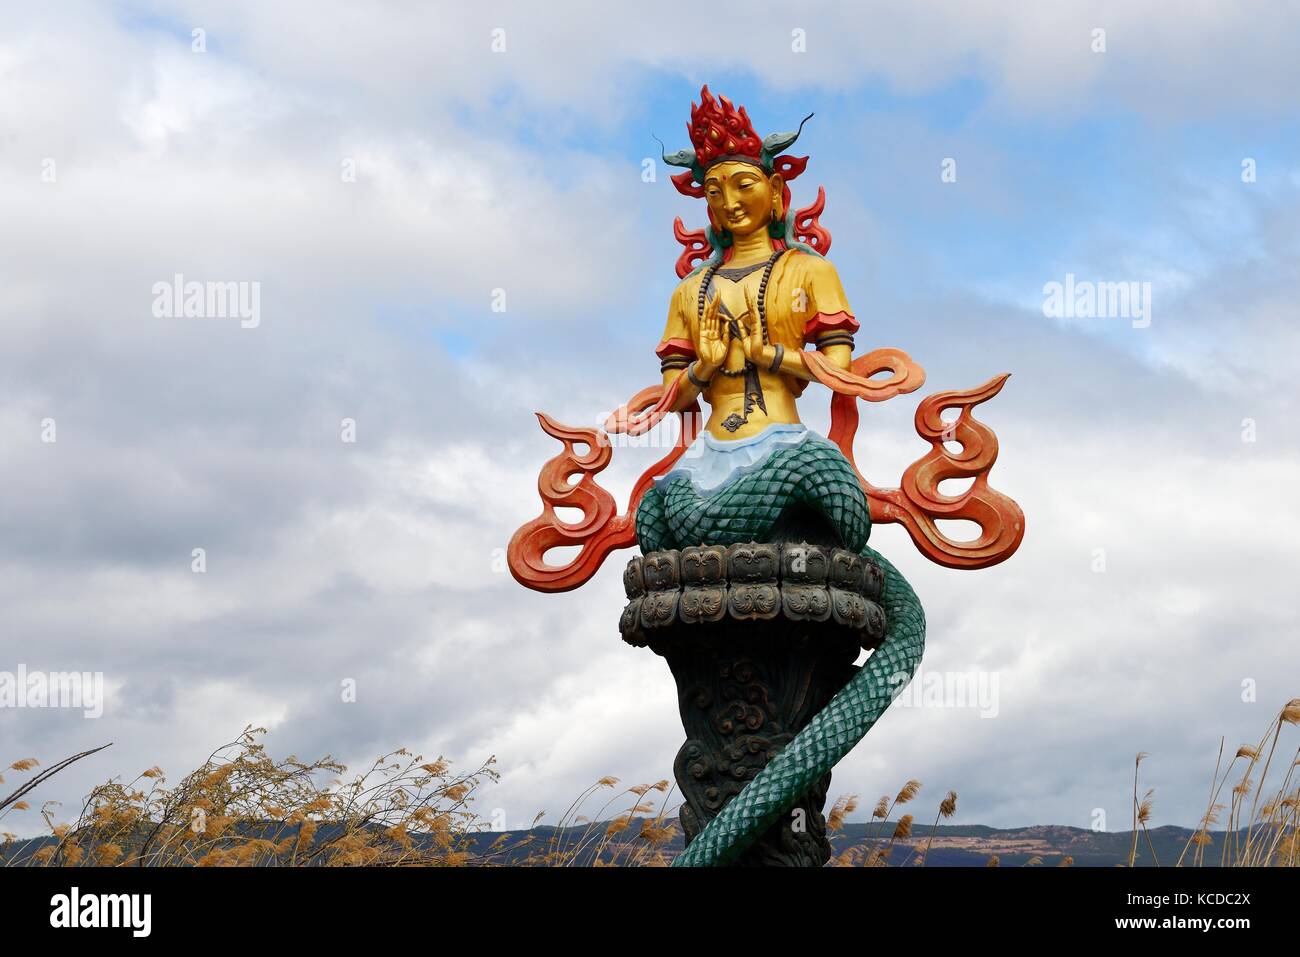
point(805, 302)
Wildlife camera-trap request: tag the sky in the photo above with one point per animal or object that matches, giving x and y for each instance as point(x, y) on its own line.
point(387, 173)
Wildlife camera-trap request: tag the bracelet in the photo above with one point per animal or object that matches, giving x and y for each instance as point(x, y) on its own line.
point(690, 374)
point(835, 339)
point(776, 363)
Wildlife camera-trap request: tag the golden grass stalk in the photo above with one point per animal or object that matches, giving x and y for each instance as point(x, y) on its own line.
point(947, 808)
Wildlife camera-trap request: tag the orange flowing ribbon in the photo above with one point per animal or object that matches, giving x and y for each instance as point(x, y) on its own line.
point(904, 375)
point(602, 529)
point(917, 504)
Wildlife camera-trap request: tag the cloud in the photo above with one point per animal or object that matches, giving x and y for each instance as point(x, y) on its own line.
point(379, 561)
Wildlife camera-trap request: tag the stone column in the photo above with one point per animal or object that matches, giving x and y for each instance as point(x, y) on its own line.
point(759, 637)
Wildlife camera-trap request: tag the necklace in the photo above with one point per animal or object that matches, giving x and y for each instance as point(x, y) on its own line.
point(753, 387)
point(715, 269)
point(737, 273)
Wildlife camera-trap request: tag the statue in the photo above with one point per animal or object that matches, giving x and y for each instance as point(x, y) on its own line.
point(756, 581)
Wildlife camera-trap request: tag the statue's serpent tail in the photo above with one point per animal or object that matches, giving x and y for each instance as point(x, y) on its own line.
point(829, 736)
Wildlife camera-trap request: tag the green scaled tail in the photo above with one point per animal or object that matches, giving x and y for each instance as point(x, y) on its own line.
point(814, 473)
point(828, 737)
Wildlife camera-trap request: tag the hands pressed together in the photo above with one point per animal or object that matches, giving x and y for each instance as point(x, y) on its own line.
point(714, 338)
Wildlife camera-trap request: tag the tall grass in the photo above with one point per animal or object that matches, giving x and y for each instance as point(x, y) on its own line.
point(1272, 829)
point(244, 808)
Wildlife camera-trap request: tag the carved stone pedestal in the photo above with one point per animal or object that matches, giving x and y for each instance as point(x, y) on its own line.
point(759, 637)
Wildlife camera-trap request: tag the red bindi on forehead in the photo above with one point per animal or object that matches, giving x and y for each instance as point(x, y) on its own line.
point(721, 176)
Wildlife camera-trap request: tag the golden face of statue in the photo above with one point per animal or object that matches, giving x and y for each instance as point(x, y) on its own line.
point(742, 197)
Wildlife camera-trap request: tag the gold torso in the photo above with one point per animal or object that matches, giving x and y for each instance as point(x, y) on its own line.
point(726, 393)
point(800, 286)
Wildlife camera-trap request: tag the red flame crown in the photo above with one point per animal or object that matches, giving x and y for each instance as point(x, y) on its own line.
point(718, 128)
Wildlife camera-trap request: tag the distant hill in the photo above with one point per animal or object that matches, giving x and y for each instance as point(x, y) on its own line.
point(969, 845)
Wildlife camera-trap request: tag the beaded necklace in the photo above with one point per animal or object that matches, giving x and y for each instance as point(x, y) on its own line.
point(753, 385)
point(732, 323)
